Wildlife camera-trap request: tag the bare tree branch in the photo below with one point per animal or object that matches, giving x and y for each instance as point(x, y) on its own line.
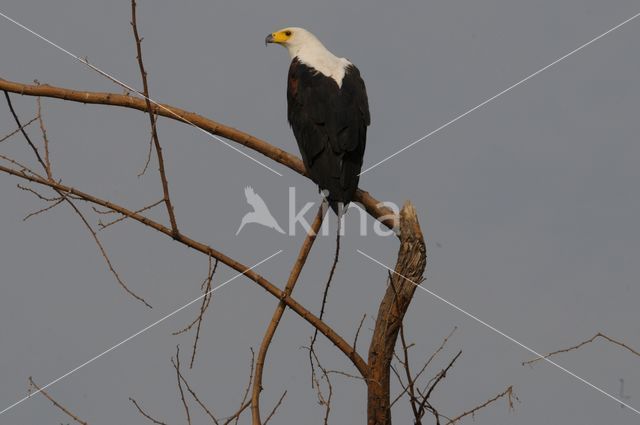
point(118, 220)
point(55, 403)
point(425, 365)
point(508, 393)
point(194, 395)
point(176, 365)
point(411, 263)
point(277, 314)
point(22, 130)
point(372, 206)
point(322, 399)
point(275, 408)
point(19, 129)
point(145, 414)
point(575, 347)
point(45, 140)
point(152, 120)
point(324, 301)
point(355, 339)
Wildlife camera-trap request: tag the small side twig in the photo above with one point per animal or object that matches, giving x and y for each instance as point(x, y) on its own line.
point(55, 403)
point(247, 388)
point(326, 290)
point(273, 411)
point(508, 393)
point(355, 339)
point(145, 414)
point(22, 130)
point(123, 217)
point(323, 400)
point(194, 395)
point(583, 343)
point(105, 255)
point(19, 129)
point(45, 139)
point(176, 365)
point(45, 209)
point(152, 121)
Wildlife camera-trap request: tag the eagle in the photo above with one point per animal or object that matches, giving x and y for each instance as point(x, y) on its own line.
point(328, 110)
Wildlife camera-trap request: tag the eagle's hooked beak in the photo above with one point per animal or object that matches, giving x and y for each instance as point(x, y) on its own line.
point(268, 39)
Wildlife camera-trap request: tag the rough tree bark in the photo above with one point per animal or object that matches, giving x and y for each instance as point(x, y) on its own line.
point(410, 266)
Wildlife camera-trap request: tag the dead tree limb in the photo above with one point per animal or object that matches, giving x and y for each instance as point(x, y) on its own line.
point(372, 205)
point(410, 266)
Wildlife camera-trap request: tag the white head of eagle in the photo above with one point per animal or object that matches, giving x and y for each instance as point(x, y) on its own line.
point(328, 110)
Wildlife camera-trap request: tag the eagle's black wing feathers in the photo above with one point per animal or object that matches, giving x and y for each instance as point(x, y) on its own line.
point(330, 126)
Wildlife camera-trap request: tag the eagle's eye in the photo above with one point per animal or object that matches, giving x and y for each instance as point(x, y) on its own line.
point(287, 33)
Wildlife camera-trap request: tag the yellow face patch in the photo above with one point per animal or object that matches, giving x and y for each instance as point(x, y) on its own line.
point(281, 36)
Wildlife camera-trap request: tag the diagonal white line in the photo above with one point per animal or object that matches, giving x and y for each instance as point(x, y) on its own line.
point(131, 89)
point(442, 127)
point(499, 332)
point(135, 335)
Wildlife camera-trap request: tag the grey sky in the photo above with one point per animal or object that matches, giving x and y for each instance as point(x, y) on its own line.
point(534, 199)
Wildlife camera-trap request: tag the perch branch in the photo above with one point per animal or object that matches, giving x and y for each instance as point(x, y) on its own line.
point(371, 205)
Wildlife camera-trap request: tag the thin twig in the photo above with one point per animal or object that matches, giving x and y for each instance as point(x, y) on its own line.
point(55, 403)
point(152, 121)
point(203, 308)
point(236, 415)
point(506, 393)
point(273, 411)
point(246, 390)
point(36, 193)
point(441, 376)
point(426, 364)
point(22, 130)
point(194, 395)
point(148, 161)
point(145, 414)
point(105, 255)
point(410, 380)
point(355, 339)
point(575, 347)
point(45, 140)
point(45, 209)
point(124, 217)
point(176, 365)
point(322, 399)
point(324, 296)
point(19, 129)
